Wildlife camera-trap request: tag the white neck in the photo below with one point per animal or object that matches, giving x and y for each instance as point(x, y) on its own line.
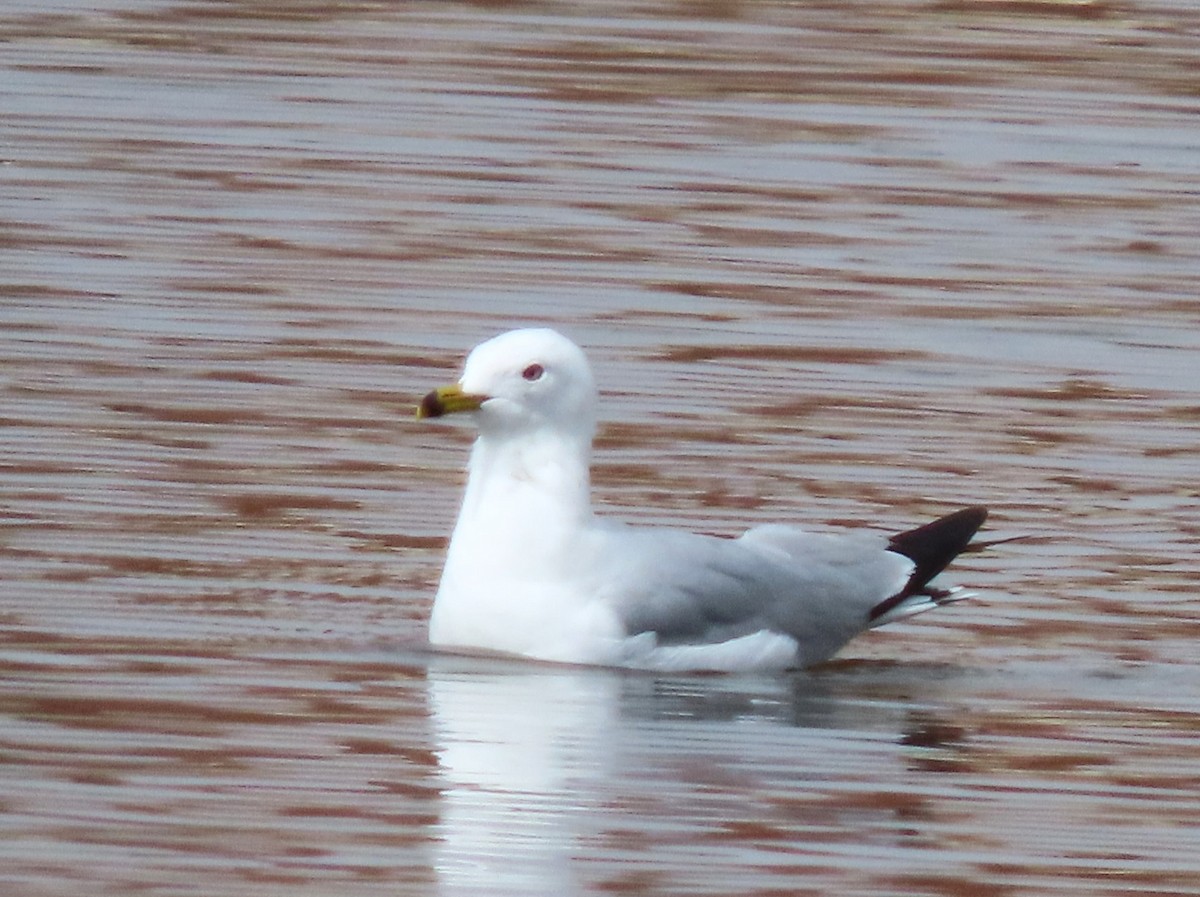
point(526, 523)
point(522, 494)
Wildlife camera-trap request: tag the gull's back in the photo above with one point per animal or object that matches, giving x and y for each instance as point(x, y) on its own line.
point(688, 589)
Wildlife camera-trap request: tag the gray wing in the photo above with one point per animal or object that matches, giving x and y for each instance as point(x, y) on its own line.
point(818, 589)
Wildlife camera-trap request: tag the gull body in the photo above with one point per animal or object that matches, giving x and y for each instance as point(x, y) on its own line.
point(532, 571)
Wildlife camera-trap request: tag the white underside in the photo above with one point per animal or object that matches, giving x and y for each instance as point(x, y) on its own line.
point(759, 651)
point(762, 651)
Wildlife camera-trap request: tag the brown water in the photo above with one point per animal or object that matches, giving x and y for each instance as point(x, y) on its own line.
point(835, 264)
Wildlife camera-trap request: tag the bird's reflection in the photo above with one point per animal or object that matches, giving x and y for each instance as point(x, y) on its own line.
point(541, 765)
point(521, 748)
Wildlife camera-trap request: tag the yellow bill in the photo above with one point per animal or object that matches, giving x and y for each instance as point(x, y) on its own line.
point(448, 400)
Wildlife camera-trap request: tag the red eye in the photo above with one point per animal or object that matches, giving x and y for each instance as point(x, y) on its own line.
point(533, 372)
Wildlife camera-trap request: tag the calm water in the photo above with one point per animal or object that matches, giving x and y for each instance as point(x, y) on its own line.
point(854, 264)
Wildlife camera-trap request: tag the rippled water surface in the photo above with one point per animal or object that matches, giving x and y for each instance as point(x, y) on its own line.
point(842, 264)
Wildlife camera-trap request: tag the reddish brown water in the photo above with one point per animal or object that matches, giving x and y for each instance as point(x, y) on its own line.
point(847, 264)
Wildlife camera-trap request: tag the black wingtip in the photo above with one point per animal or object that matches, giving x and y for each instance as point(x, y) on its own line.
point(931, 548)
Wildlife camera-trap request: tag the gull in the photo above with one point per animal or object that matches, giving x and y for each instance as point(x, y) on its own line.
point(531, 570)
